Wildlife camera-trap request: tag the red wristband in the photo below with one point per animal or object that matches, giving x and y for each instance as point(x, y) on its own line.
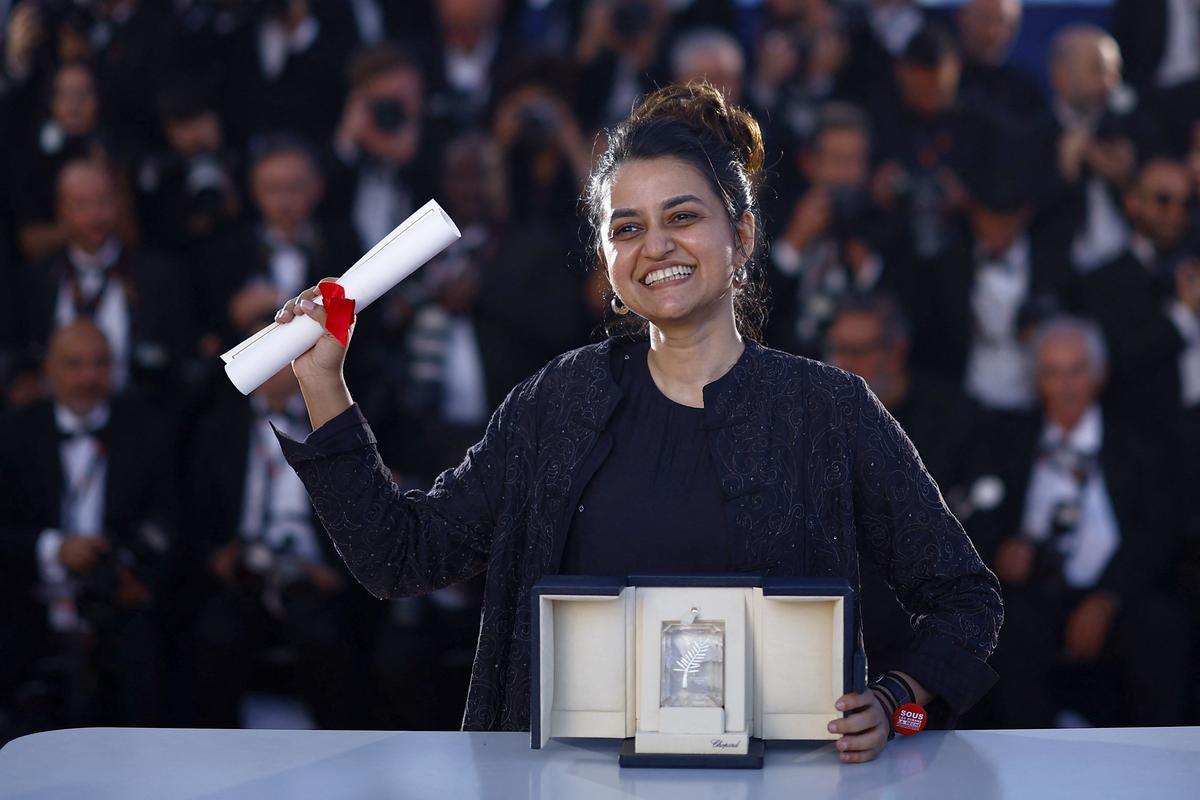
point(909, 719)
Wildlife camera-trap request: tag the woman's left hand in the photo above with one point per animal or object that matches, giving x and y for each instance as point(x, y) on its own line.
point(866, 729)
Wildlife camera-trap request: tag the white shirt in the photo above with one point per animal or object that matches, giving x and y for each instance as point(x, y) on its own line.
point(999, 368)
point(1181, 52)
point(1105, 234)
point(1185, 321)
point(894, 25)
point(275, 507)
point(287, 264)
point(368, 18)
point(1088, 547)
point(112, 311)
point(468, 72)
point(380, 204)
point(1188, 324)
point(276, 44)
point(85, 475)
point(465, 399)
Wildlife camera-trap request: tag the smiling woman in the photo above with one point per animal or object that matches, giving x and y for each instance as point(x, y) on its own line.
point(680, 445)
point(682, 172)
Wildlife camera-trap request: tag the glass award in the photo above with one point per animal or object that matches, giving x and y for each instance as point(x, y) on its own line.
point(693, 665)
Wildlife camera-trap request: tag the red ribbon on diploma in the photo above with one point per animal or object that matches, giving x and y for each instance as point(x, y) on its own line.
point(339, 310)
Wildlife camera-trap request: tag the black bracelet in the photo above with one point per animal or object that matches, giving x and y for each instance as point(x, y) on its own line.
point(894, 691)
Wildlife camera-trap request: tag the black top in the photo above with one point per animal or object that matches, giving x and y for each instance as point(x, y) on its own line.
point(654, 505)
point(814, 474)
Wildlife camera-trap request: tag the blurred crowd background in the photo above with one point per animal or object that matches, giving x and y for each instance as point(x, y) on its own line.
point(1007, 254)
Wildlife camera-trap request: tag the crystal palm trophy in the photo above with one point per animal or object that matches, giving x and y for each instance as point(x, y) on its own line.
point(693, 664)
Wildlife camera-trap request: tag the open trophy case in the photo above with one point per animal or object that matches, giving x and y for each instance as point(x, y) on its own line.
point(691, 671)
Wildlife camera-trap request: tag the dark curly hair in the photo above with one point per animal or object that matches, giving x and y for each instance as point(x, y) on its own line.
point(692, 122)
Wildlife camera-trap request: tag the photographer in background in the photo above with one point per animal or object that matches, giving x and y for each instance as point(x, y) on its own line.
point(71, 129)
point(378, 175)
point(541, 142)
point(924, 144)
point(977, 304)
point(801, 51)
point(185, 193)
point(827, 248)
point(85, 537)
point(461, 64)
point(619, 52)
point(270, 573)
point(1147, 301)
point(1069, 507)
point(1087, 149)
point(284, 71)
point(286, 247)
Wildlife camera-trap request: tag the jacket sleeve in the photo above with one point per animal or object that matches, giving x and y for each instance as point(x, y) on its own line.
point(905, 528)
point(401, 543)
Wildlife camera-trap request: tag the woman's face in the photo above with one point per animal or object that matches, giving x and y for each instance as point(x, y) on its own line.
point(667, 244)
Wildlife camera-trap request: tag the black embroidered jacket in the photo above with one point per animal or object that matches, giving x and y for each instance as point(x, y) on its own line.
point(813, 471)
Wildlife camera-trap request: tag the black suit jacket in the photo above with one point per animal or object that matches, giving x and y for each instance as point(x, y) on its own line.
point(139, 487)
point(943, 321)
point(217, 481)
point(1134, 475)
point(162, 326)
point(1140, 28)
point(1062, 204)
point(1143, 343)
point(243, 256)
point(305, 98)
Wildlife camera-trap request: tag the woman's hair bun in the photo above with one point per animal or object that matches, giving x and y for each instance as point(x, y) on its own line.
point(700, 105)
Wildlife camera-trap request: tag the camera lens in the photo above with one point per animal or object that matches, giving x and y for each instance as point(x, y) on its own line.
point(537, 125)
point(388, 115)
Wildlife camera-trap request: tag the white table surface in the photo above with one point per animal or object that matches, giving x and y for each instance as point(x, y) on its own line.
point(130, 763)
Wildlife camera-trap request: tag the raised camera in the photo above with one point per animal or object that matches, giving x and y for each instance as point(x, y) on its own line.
point(388, 116)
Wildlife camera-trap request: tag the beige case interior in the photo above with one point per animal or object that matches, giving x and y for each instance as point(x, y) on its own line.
point(591, 659)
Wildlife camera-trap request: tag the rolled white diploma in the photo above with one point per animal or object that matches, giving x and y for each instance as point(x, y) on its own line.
point(419, 238)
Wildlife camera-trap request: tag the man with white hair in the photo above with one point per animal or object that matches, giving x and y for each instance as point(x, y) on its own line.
point(1070, 510)
point(710, 54)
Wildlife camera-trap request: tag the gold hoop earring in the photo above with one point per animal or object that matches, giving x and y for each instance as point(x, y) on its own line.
point(618, 307)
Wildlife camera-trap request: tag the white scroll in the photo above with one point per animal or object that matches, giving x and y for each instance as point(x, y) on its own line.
point(419, 238)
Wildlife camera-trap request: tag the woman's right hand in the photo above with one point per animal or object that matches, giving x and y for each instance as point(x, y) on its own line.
point(322, 363)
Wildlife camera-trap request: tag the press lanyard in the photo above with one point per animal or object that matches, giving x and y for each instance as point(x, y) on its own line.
point(77, 490)
point(87, 308)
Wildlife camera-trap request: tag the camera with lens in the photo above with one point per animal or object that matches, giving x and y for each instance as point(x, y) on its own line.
point(269, 562)
point(269, 566)
point(537, 124)
point(205, 185)
point(847, 212)
point(1050, 554)
point(630, 18)
point(142, 555)
point(388, 116)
